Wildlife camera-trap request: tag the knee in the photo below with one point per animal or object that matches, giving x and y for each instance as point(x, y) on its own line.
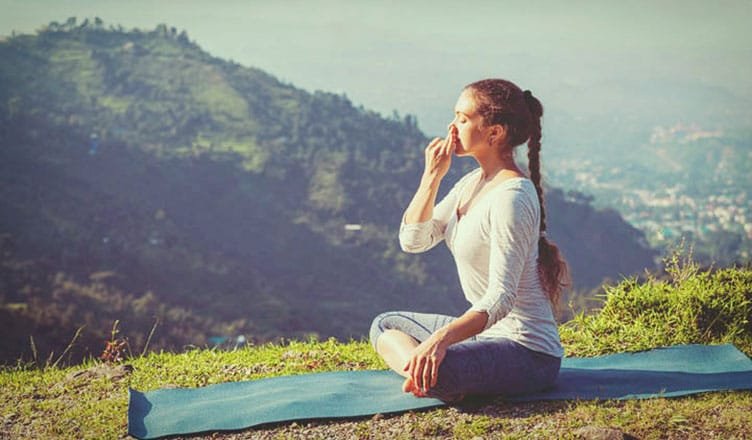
point(377, 327)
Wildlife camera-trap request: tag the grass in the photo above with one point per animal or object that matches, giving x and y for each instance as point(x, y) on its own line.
point(52, 404)
point(690, 306)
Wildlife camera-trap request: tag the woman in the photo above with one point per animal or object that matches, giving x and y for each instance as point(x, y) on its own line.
point(493, 222)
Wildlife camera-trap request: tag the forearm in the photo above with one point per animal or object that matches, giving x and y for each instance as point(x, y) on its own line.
point(468, 325)
point(420, 208)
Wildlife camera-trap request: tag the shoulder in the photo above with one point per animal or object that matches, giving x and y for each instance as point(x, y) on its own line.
point(516, 196)
point(518, 189)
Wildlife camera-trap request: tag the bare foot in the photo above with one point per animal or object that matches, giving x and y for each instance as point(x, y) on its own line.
point(409, 387)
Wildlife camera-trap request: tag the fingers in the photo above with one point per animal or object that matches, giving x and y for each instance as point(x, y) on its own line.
point(433, 146)
point(424, 373)
point(417, 374)
point(427, 371)
point(423, 366)
point(412, 369)
point(441, 147)
point(449, 142)
point(434, 373)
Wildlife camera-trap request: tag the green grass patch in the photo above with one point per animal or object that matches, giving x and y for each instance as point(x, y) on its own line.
point(691, 306)
point(50, 403)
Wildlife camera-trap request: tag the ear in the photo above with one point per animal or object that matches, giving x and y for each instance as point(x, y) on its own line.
point(497, 134)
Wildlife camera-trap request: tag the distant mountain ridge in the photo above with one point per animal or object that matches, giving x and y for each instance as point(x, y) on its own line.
point(136, 167)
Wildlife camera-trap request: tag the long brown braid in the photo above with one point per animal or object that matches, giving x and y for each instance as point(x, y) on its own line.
point(501, 102)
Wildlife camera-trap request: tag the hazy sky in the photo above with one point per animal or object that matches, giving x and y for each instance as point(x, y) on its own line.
point(416, 56)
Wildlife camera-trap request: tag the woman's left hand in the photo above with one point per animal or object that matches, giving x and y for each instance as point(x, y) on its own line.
point(423, 366)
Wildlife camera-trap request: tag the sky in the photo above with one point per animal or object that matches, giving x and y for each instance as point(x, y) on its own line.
point(415, 57)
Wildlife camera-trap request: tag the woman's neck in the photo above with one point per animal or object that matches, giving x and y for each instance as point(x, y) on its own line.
point(496, 165)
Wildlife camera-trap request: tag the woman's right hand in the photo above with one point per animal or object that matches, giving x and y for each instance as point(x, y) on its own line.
point(439, 155)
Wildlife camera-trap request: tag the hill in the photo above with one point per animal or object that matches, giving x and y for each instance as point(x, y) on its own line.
point(143, 180)
point(691, 306)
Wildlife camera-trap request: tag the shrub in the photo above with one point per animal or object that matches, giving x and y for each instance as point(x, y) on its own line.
point(690, 306)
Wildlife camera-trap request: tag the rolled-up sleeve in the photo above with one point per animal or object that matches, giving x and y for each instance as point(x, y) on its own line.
point(513, 225)
point(421, 237)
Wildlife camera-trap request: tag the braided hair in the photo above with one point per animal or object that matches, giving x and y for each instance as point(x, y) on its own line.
point(499, 101)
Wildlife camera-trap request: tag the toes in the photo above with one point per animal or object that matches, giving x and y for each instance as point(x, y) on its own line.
point(407, 385)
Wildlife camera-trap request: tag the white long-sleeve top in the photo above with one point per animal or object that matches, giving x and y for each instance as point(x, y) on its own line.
point(495, 247)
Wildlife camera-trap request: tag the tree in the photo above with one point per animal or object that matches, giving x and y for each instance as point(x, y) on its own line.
point(70, 23)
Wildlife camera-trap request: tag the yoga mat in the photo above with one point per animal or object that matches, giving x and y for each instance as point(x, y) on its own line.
point(664, 372)
point(237, 405)
point(672, 371)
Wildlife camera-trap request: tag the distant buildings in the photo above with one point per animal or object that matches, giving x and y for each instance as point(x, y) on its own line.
point(681, 133)
point(699, 188)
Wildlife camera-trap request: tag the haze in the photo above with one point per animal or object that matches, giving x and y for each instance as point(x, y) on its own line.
point(414, 57)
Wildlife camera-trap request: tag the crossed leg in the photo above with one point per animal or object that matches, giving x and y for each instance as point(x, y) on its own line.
point(473, 366)
point(396, 346)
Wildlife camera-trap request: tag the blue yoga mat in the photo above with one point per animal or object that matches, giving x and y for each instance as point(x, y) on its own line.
point(667, 372)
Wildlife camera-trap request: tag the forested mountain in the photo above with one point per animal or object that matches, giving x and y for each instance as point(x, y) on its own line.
point(142, 179)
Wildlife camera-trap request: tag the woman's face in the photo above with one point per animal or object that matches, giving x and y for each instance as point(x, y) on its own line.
point(468, 126)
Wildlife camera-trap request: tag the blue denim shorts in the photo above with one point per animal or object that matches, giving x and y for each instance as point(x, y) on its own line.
point(475, 366)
